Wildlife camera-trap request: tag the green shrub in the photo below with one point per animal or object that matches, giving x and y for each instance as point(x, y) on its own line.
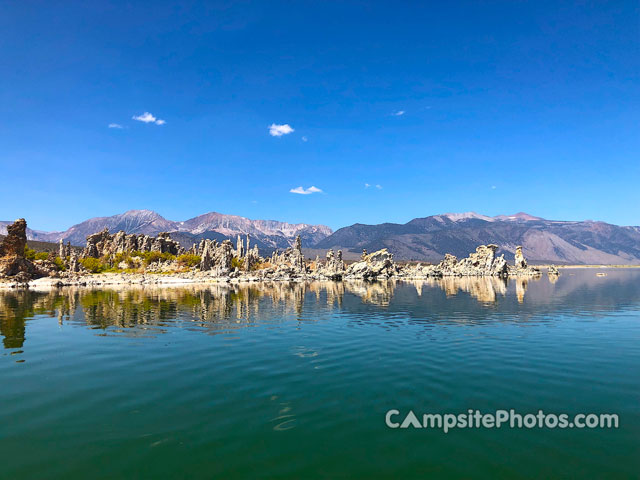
point(237, 263)
point(93, 265)
point(42, 256)
point(123, 257)
point(152, 257)
point(59, 263)
point(29, 253)
point(188, 260)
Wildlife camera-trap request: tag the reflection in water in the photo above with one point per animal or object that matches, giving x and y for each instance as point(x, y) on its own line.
point(484, 289)
point(521, 288)
point(219, 308)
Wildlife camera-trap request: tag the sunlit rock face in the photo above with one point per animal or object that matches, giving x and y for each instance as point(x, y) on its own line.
point(333, 268)
point(520, 261)
point(374, 265)
point(481, 263)
point(215, 257)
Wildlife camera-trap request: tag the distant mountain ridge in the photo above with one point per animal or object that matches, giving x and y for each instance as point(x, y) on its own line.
point(423, 239)
point(429, 238)
point(267, 233)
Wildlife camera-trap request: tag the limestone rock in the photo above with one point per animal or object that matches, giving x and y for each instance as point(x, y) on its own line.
point(520, 262)
point(333, 267)
point(216, 258)
point(12, 261)
point(521, 268)
point(291, 260)
point(16, 239)
point(372, 266)
point(103, 244)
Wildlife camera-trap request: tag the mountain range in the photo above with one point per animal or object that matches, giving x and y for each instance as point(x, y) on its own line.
point(423, 239)
point(543, 241)
point(267, 234)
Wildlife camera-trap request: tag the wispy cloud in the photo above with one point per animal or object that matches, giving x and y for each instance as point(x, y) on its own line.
point(399, 113)
point(367, 185)
point(280, 130)
point(305, 191)
point(115, 125)
point(493, 187)
point(304, 139)
point(147, 117)
point(379, 187)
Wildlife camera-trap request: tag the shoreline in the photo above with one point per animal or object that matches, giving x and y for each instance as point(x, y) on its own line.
point(99, 280)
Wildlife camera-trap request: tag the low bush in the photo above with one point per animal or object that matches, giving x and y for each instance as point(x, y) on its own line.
point(152, 257)
point(237, 263)
point(188, 260)
point(29, 253)
point(42, 256)
point(123, 257)
point(93, 265)
point(59, 263)
point(260, 266)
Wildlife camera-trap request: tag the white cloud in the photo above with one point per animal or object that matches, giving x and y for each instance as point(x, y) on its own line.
point(280, 130)
point(379, 187)
point(304, 139)
point(493, 187)
point(367, 185)
point(147, 117)
point(308, 191)
point(115, 125)
point(399, 113)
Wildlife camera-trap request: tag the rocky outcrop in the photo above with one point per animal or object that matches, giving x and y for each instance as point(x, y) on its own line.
point(216, 258)
point(291, 261)
point(521, 268)
point(12, 260)
point(16, 239)
point(333, 268)
point(481, 263)
point(103, 244)
point(373, 266)
point(520, 262)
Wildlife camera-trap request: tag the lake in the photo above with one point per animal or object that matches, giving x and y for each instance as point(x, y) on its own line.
point(294, 380)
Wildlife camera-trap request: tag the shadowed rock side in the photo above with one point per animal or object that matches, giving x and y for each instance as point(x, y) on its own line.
point(12, 260)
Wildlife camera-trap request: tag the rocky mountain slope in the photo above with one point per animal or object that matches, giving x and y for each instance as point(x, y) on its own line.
point(429, 238)
point(267, 233)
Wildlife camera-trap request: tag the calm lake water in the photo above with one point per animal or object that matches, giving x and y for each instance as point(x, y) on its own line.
point(294, 380)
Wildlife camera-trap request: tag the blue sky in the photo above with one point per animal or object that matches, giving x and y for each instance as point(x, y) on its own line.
point(495, 107)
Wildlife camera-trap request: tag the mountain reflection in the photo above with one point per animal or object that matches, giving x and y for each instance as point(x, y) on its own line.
point(219, 308)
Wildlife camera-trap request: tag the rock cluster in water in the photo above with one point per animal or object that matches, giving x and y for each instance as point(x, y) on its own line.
point(225, 261)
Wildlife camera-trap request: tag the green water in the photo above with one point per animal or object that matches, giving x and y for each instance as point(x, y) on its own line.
point(293, 381)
